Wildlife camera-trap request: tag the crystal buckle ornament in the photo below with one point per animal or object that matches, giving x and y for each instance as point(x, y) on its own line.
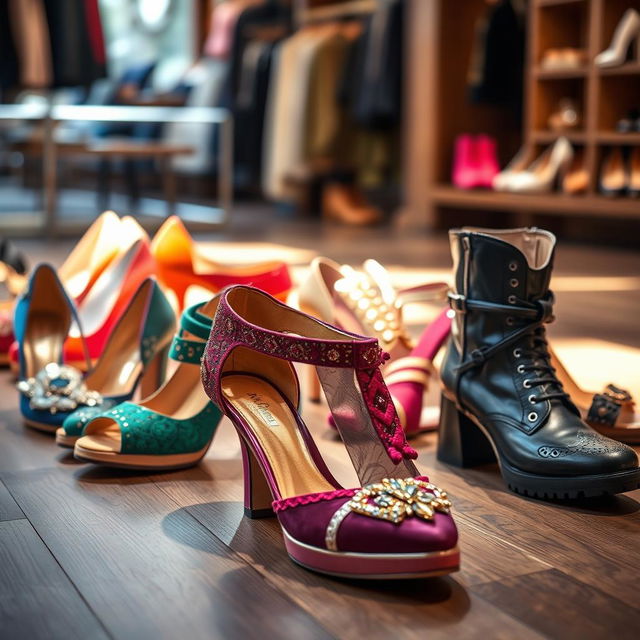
point(393, 500)
point(58, 387)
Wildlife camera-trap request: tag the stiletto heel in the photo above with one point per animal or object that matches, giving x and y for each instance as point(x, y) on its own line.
point(248, 371)
point(626, 35)
point(154, 375)
point(257, 495)
point(133, 357)
point(460, 442)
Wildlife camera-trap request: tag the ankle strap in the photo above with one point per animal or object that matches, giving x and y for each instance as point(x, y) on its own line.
point(284, 333)
point(197, 324)
point(254, 320)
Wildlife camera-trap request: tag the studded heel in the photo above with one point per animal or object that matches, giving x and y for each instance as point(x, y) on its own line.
point(397, 524)
point(171, 429)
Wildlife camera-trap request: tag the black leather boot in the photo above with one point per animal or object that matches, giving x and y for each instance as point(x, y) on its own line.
point(501, 398)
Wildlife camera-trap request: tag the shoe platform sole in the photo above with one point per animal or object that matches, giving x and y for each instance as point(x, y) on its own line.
point(373, 566)
point(528, 484)
point(140, 462)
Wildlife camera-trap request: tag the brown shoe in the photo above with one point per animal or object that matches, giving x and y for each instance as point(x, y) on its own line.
point(346, 204)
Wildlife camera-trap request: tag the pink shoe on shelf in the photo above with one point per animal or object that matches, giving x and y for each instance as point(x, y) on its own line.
point(397, 524)
point(475, 162)
point(465, 172)
point(488, 165)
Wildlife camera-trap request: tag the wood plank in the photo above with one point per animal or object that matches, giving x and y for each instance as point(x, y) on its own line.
point(558, 606)
point(37, 599)
point(145, 566)
point(589, 540)
point(9, 509)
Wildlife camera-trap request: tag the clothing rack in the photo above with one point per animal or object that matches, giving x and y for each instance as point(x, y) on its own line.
point(304, 14)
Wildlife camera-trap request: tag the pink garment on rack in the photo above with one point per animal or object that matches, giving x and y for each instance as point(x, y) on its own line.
point(224, 18)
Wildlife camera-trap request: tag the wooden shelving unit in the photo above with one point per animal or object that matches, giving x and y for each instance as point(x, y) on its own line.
point(438, 110)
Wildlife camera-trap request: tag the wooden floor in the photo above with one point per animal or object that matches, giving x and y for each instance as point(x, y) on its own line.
point(91, 553)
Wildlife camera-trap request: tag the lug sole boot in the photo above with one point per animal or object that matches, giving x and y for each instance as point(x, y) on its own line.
point(501, 398)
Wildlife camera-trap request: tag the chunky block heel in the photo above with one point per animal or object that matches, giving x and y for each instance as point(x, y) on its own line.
point(461, 442)
point(257, 495)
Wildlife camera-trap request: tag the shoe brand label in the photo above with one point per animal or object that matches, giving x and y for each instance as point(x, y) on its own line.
point(262, 407)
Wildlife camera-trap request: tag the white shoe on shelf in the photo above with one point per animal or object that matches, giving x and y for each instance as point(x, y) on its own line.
point(542, 175)
point(627, 32)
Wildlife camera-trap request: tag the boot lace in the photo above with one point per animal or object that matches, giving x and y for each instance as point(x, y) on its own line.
point(532, 334)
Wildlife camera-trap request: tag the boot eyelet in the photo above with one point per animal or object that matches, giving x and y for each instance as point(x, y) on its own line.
point(533, 399)
point(514, 283)
point(532, 417)
point(517, 353)
point(511, 299)
point(520, 368)
point(527, 384)
point(513, 266)
point(510, 321)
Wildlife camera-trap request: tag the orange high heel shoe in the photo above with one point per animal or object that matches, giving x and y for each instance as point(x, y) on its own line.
point(181, 263)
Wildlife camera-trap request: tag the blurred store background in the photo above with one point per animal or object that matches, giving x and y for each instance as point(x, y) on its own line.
point(412, 114)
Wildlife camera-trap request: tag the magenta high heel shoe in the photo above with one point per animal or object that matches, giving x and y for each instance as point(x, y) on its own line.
point(397, 524)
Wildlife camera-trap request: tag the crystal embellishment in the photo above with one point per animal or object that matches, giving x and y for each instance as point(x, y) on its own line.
point(58, 387)
point(393, 500)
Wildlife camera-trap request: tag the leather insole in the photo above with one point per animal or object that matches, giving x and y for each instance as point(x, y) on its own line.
point(43, 341)
point(274, 426)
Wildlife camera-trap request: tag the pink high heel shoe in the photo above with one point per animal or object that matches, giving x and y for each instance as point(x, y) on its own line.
point(397, 524)
point(464, 174)
point(475, 162)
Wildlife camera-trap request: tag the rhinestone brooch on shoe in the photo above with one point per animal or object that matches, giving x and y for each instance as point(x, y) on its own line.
point(58, 387)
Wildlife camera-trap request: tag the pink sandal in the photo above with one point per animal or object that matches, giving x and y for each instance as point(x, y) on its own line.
point(408, 378)
point(397, 524)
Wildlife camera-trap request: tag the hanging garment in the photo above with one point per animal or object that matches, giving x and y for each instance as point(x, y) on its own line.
point(268, 13)
point(286, 111)
point(250, 105)
point(9, 65)
point(497, 61)
point(224, 18)
point(378, 87)
point(71, 24)
point(96, 34)
point(206, 80)
point(31, 35)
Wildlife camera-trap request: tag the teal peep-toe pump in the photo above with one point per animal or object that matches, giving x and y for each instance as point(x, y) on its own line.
point(171, 429)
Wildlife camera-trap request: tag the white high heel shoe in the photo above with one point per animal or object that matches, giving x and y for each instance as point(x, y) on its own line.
point(627, 32)
point(542, 175)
